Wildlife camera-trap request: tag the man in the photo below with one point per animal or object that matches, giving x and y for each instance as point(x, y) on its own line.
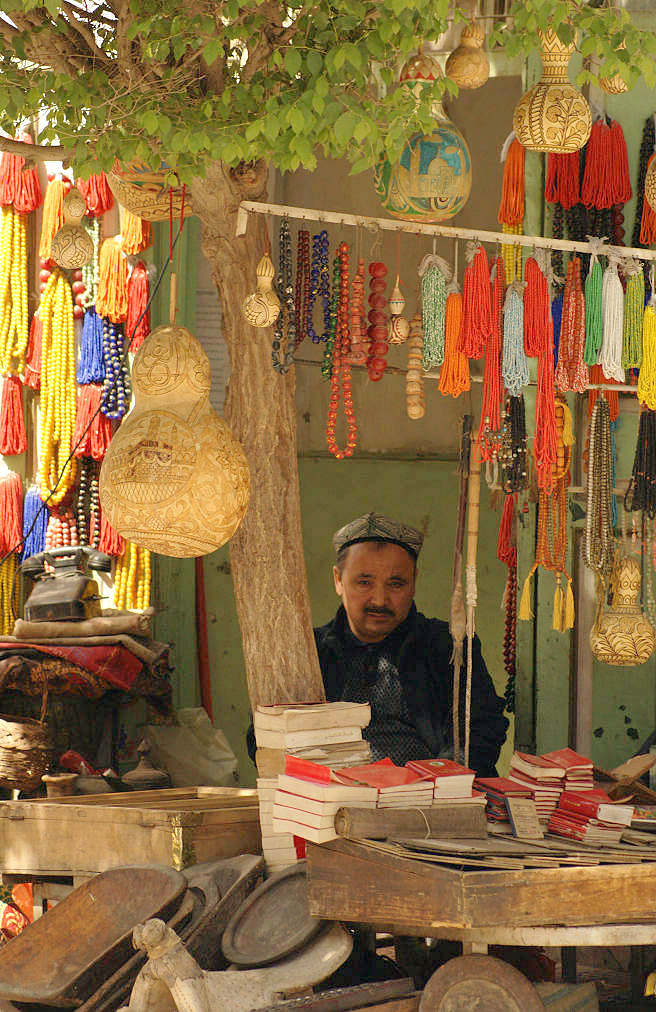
point(379, 649)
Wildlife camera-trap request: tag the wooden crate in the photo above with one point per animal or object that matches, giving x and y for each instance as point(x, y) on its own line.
point(84, 835)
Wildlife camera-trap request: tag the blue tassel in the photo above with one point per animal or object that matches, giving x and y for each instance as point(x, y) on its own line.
point(90, 368)
point(557, 317)
point(35, 541)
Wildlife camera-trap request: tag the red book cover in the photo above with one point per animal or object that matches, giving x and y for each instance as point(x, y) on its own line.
point(304, 769)
point(435, 768)
point(381, 774)
point(568, 759)
point(595, 805)
point(501, 785)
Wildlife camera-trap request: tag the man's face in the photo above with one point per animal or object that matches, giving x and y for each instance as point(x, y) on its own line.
point(377, 586)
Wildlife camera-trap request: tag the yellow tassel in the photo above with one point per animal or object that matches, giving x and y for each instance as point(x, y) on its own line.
point(558, 607)
point(525, 612)
point(569, 606)
point(568, 429)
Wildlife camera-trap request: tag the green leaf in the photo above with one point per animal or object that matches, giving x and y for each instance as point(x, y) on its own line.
point(211, 51)
point(314, 62)
point(149, 121)
point(292, 62)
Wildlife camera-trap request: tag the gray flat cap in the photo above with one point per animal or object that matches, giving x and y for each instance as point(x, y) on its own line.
point(376, 527)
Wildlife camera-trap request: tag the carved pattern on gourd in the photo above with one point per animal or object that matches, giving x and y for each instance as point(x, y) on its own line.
point(72, 246)
point(623, 635)
point(175, 479)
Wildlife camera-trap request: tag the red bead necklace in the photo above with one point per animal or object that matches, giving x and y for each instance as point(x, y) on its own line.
point(537, 308)
point(378, 329)
point(476, 324)
point(359, 344)
point(341, 367)
point(490, 430)
point(572, 372)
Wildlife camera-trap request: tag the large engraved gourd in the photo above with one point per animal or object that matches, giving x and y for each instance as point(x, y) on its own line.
point(72, 246)
point(623, 635)
point(174, 480)
point(553, 115)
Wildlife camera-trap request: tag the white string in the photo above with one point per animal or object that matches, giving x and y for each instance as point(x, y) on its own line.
point(506, 146)
point(612, 311)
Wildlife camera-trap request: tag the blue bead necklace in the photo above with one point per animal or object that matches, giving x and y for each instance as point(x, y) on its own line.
point(319, 285)
point(117, 391)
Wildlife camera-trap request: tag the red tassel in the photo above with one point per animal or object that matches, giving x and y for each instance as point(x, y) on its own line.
point(537, 308)
point(97, 194)
point(562, 182)
point(506, 547)
point(11, 512)
point(138, 291)
point(13, 439)
point(94, 438)
point(595, 183)
point(111, 541)
point(33, 355)
point(612, 396)
point(476, 325)
point(620, 188)
point(17, 186)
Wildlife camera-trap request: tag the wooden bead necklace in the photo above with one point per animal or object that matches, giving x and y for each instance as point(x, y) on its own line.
point(58, 391)
point(514, 362)
point(513, 448)
point(132, 578)
point(377, 330)
point(414, 383)
point(302, 294)
point(359, 339)
point(454, 374)
point(634, 308)
point(88, 504)
point(399, 328)
point(507, 553)
point(284, 329)
point(572, 372)
point(490, 428)
point(476, 324)
point(593, 312)
point(341, 366)
point(117, 390)
point(641, 492)
point(599, 541)
point(319, 285)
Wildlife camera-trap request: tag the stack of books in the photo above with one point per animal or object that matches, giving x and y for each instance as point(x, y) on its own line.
point(307, 797)
point(278, 849)
point(397, 786)
point(451, 780)
point(496, 790)
point(543, 778)
point(590, 817)
point(325, 733)
point(578, 769)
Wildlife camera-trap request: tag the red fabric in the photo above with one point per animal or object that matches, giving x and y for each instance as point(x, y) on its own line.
point(113, 663)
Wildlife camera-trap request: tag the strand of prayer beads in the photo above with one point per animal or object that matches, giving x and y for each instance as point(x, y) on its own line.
point(284, 328)
point(341, 366)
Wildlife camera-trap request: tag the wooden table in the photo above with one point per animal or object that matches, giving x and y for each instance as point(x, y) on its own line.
point(606, 905)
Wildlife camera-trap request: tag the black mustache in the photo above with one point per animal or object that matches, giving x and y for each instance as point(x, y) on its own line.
point(379, 611)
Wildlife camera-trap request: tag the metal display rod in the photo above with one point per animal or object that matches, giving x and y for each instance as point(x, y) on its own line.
point(247, 207)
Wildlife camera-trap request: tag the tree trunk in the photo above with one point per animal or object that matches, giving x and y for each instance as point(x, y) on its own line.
point(266, 553)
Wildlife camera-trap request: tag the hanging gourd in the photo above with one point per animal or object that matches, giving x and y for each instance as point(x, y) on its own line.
point(614, 85)
point(174, 479)
point(432, 179)
point(72, 246)
point(553, 115)
point(399, 327)
point(145, 192)
point(262, 307)
point(468, 65)
point(623, 635)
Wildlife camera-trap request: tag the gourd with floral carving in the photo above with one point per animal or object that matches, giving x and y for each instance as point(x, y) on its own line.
point(468, 65)
point(623, 635)
point(262, 307)
point(72, 246)
point(174, 480)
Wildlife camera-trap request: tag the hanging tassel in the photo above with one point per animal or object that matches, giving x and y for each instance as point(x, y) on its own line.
point(35, 524)
point(11, 513)
point(136, 234)
point(562, 180)
point(492, 389)
point(90, 367)
point(647, 377)
point(648, 220)
point(569, 606)
point(612, 311)
point(558, 607)
point(136, 329)
point(112, 295)
point(545, 441)
point(598, 168)
point(537, 310)
point(619, 190)
point(476, 324)
point(634, 308)
point(33, 355)
point(13, 439)
point(111, 541)
point(19, 187)
point(572, 372)
point(511, 208)
point(515, 364)
point(454, 374)
point(53, 216)
point(93, 429)
point(593, 314)
point(97, 194)
point(525, 611)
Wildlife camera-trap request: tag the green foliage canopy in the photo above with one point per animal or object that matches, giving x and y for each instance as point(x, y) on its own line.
point(194, 81)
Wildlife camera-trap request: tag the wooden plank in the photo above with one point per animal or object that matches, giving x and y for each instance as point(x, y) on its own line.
point(345, 999)
point(232, 796)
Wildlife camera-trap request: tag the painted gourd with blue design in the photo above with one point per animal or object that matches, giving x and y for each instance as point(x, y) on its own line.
point(432, 179)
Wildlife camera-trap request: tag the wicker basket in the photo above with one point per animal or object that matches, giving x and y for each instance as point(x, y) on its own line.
point(25, 750)
point(144, 193)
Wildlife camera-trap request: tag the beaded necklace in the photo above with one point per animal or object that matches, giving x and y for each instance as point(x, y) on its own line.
point(598, 543)
point(415, 401)
point(88, 504)
point(433, 308)
point(646, 151)
point(341, 366)
point(490, 428)
point(58, 393)
point(132, 578)
point(378, 329)
point(647, 377)
point(507, 553)
point(137, 321)
point(513, 449)
point(303, 284)
point(536, 308)
point(90, 366)
point(14, 328)
point(117, 390)
point(545, 443)
point(319, 285)
point(593, 313)
point(515, 364)
point(284, 327)
point(327, 362)
point(476, 324)
point(359, 345)
point(641, 492)
point(572, 372)
point(634, 311)
point(612, 310)
point(454, 374)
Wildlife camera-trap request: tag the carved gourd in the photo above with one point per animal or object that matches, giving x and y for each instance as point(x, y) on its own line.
point(399, 328)
point(175, 479)
point(262, 307)
point(468, 66)
point(622, 635)
point(553, 115)
point(72, 246)
point(146, 193)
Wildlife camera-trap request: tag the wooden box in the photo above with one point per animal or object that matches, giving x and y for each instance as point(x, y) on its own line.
point(84, 835)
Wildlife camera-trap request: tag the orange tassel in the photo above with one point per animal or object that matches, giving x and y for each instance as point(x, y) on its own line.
point(13, 439)
point(94, 438)
point(112, 295)
point(111, 542)
point(11, 512)
point(33, 355)
point(511, 208)
point(648, 222)
point(454, 375)
point(137, 234)
point(53, 216)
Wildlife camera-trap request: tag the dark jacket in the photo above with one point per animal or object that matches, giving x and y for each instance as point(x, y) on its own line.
point(424, 665)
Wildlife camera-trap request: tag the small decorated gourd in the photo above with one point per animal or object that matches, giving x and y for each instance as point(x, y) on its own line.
point(399, 327)
point(262, 307)
point(468, 65)
point(623, 635)
point(175, 479)
point(72, 246)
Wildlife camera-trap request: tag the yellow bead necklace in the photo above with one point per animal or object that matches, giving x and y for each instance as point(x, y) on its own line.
point(13, 291)
point(132, 578)
point(58, 390)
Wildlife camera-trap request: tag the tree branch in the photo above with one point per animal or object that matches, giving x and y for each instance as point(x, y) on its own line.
point(36, 152)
